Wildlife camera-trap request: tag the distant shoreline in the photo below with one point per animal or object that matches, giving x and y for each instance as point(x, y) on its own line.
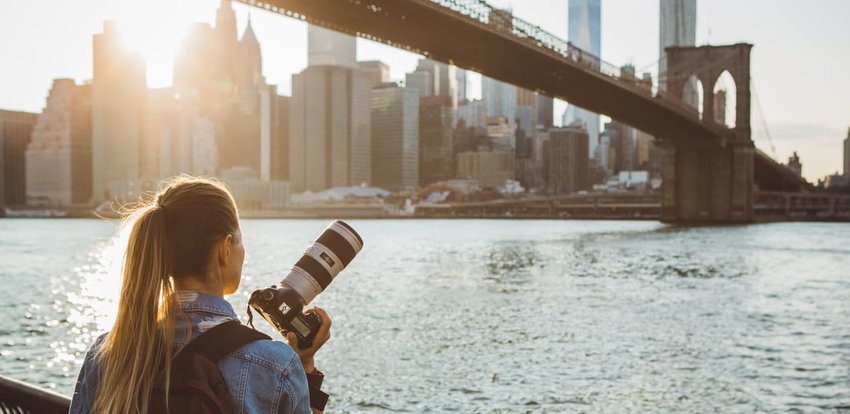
point(758, 219)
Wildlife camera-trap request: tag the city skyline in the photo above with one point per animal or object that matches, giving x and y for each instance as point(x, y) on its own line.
point(804, 116)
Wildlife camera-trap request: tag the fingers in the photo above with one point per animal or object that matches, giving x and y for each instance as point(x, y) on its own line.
point(323, 334)
point(326, 319)
point(292, 339)
point(324, 331)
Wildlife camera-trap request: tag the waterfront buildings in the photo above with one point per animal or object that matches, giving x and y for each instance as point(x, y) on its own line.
point(379, 72)
point(432, 78)
point(435, 140)
point(253, 193)
point(794, 165)
point(225, 112)
point(59, 158)
point(584, 32)
point(395, 136)
point(847, 154)
point(678, 27)
point(622, 148)
point(329, 129)
point(330, 48)
point(443, 78)
point(422, 81)
point(565, 161)
point(490, 168)
point(119, 93)
point(329, 124)
point(543, 108)
point(15, 131)
point(648, 156)
point(524, 112)
point(462, 94)
point(473, 113)
point(279, 147)
point(159, 135)
point(501, 133)
point(529, 158)
point(500, 98)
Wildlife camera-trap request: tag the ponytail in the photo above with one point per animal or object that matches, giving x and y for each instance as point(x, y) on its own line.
point(172, 237)
point(139, 348)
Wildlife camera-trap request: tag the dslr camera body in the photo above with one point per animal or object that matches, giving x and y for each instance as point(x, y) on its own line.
point(283, 306)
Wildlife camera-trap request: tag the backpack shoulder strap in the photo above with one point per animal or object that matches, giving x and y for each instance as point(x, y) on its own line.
point(220, 340)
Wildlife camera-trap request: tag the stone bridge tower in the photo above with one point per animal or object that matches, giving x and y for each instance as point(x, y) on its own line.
point(709, 180)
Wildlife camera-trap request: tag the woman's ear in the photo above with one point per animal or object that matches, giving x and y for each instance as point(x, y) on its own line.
point(224, 249)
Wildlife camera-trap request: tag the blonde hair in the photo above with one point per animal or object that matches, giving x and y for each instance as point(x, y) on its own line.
point(172, 236)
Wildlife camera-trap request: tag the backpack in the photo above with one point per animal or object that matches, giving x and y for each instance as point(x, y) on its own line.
point(197, 386)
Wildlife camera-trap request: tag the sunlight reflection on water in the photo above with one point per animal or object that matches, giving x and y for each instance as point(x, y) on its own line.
point(479, 315)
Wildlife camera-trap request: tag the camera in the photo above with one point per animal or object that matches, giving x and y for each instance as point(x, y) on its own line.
point(283, 306)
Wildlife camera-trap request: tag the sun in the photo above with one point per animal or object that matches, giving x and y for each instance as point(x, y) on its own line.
point(155, 29)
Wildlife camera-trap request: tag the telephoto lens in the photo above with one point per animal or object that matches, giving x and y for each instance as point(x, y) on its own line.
point(283, 306)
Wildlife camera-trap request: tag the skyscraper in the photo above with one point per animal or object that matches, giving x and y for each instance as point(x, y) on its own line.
point(473, 113)
point(118, 105)
point(422, 81)
point(225, 110)
point(500, 98)
point(543, 107)
point(435, 140)
point(279, 150)
point(524, 114)
point(59, 155)
point(395, 137)
point(329, 129)
point(622, 142)
point(462, 94)
point(379, 71)
point(159, 135)
point(15, 130)
point(847, 154)
point(490, 168)
point(243, 134)
point(434, 78)
point(329, 123)
point(447, 80)
point(585, 23)
point(330, 48)
point(565, 163)
point(678, 20)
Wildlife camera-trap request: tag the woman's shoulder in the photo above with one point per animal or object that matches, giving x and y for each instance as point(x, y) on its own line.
point(266, 376)
point(93, 350)
point(272, 354)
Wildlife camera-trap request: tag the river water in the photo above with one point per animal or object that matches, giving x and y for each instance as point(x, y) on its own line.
point(501, 316)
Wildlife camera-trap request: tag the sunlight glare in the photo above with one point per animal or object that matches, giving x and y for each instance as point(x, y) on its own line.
point(155, 30)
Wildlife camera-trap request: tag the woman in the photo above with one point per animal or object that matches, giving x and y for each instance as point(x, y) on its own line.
point(184, 253)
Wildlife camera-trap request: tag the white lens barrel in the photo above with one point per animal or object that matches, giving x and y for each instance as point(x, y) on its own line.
point(301, 281)
point(331, 252)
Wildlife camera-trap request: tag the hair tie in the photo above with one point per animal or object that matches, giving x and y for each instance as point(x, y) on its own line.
point(161, 206)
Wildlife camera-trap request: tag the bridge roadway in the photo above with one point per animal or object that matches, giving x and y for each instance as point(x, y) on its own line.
point(470, 34)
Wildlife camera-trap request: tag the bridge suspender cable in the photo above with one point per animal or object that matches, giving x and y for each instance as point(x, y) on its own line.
point(763, 119)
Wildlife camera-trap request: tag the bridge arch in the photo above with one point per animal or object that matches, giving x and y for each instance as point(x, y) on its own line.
point(710, 64)
point(693, 93)
point(724, 101)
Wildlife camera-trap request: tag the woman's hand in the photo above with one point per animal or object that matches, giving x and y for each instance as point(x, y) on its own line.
point(322, 336)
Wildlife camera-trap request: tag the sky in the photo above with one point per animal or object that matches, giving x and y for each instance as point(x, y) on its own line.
point(800, 61)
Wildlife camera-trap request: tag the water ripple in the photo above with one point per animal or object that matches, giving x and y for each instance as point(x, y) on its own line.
point(502, 316)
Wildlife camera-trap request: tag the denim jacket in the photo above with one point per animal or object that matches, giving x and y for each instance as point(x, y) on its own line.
point(263, 376)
